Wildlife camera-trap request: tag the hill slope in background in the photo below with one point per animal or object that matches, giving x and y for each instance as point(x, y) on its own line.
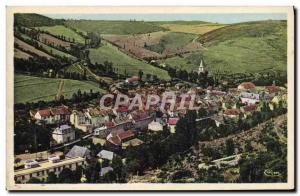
point(237, 48)
point(124, 63)
point(258, 29)
point(34, 20)
point(113, 27)
point(199, 29)
point(248, 47)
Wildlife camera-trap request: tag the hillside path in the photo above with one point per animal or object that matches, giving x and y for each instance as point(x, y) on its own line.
point(60, 88)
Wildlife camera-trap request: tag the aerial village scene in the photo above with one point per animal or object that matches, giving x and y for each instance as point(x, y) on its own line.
point(140, 100)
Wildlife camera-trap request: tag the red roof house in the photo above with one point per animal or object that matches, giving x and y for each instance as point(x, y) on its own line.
point(272, 89)
point(121, 137)
point(172, 121)
point(249, 108)
point(246, 86)
point(232, 113)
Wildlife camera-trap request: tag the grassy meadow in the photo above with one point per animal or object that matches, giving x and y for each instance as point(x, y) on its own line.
point(32, 89)
point(244, 47)
point(123, 62)
point(113, 27)
point(198, 29)
point(59, 30)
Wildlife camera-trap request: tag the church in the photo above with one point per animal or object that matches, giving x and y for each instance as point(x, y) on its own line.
point(201, 67)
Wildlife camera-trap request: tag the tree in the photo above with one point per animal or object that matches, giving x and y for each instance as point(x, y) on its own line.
point(148, 77)
point(52, 178)
point(229, 147)
point(34, 181)
point(202, 113)
point(141, 74)
point(66, 176)
point(109, 177)
point(186, 130)
point(251, 170)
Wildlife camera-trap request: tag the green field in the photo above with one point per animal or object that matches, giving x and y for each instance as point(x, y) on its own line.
point(189, 62)
point(33, 89)
point(172, 40)
point(74, 68)
point(113, 27)
point(245, 55)
point(124, 62)
point(59, 30)
point(259, 29)
point(197, 28)
point(240, 48)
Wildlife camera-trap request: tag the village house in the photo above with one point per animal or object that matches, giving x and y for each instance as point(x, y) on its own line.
point(232, 113)
point(120, 137)
point(98, 140)
point(249, 98)
point(155, 126)
point(97, 116)
point(141, 120)
point(102, 132)
point(56, 115)
point(80, 121)
point(121, 111)
point(63, 134)
point(248, 110)
point(172, 124)
point(122, 123)
point(273, 89)
point(134, 80)
point(124, 139)
point(79, 151)
point(113, 127)
point(246, 86)
point(106, 155)
point(41, 170)
point(105, 170)
point(270, 92)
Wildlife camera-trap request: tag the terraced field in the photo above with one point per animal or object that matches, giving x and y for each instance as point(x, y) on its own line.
point(123, 62)
point(51, 40)
point(19, 54)
point(32, 49)
point(50, 49)
point(32, 89)
point(60, 30)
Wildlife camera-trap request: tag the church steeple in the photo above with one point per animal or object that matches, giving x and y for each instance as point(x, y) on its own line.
point(201, 67)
